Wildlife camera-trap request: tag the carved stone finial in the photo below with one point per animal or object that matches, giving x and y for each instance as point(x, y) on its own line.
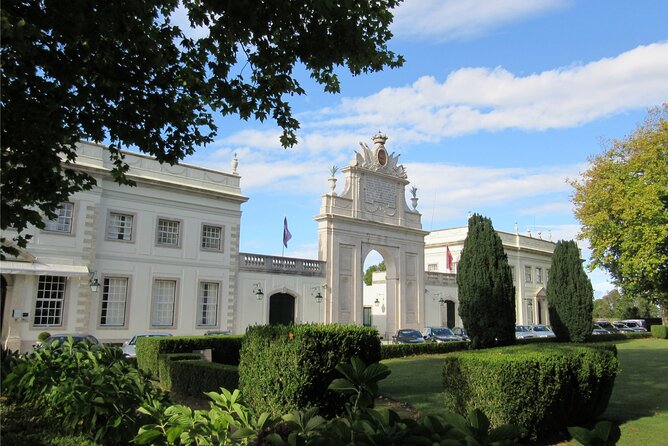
point(377, 159)
point(235, 163)
point(379, 139)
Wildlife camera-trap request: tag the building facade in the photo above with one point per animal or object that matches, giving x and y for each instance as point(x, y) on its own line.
point(164, 257)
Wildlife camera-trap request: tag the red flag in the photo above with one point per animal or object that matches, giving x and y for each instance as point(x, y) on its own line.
point(286, 233)
point(449, 255)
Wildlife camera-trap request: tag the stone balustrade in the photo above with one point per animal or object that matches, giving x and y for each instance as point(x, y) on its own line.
point(281, 265)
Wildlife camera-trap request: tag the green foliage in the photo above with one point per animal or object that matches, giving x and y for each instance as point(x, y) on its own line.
point(126, 73)
point(485, 284)
point(84, 389)
point(605, 433)
point(618, 305)
point(388, 351)
point(541, 388)
point(194, 377)
point(659, 331)
point(368, 275)
point(42, 336)
point(569, 295)
point(224, 349)
point(165, 362)
point(285, 368)
point(622, 204)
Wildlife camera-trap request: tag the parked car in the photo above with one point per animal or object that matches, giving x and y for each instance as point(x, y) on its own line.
point(459, 331)
point(408, 336)
point(76, 337)
point(607, 326)
point(523, 331)
point(130, 346)
point(542, 331)
point(217, 332)
point(598, 330)
point(440, 334)
point(638, 325)
point(622, 327)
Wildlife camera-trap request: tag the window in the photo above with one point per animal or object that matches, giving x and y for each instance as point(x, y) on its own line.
point(539, 275)
point(120, 226)
point(366, 316)
point(49, 302)
point(432, 267)
point(212, 237)
point(207, 305)
point(527, 274)
point(168, 232)
point(63, 220)
point(164, 298)
point(114, 298)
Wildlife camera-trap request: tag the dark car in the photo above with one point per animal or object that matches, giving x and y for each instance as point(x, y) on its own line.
point(76, 337)
point(440, 334)
point(408, 336)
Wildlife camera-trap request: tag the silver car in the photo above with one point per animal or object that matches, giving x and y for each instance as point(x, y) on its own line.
point(130, 347)
point(542, 331)
point(523, 332)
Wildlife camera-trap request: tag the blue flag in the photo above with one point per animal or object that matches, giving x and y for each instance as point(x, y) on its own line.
point(286, 232)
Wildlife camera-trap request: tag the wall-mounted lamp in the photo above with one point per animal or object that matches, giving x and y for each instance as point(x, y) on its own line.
point(315, 292)
point(442, 301)
point(257, 290)
point(376, 302)
point(93, 283)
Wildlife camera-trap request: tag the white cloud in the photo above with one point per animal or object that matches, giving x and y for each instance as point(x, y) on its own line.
point(458, 19)
point(484, 99)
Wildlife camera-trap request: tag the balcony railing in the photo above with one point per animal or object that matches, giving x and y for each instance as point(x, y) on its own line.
point(281, 265)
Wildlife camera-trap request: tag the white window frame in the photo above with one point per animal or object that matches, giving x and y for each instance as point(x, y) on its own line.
point(64, 221)
point(119, 304)
point(528, 274)
point(539, 275)
point(110, 225)
point(432, 267)
point(163, 303)
point(205, 307)
point(203, 237)
point(51, 291)
point(158, 233)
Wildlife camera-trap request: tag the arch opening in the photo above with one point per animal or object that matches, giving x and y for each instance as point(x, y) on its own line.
point(281, 309)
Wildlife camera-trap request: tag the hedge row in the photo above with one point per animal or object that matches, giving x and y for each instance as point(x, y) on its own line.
point(165, 363)
point(194, 377)
point(284, 368)
point(539, 388)
point(388, 351)
point(224, 349)
point(660, 331)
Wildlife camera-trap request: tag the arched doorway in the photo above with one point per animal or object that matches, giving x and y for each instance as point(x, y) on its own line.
point(281, 309)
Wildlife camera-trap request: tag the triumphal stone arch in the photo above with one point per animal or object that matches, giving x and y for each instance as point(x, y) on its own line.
point(371, 214)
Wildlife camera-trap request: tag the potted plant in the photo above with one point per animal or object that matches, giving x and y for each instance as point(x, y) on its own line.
point(414, 198)
point(332, 178)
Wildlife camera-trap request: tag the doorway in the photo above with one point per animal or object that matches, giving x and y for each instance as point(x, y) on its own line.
point(281, 309)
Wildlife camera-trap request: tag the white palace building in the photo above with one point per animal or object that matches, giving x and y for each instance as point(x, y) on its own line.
point(164, 256)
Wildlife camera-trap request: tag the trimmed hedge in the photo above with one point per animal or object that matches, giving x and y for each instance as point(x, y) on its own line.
point(194, 376)
point(660, 331)
point(224, 349)
point(165, 363)
point(540, 388)
point(388, 351)
point(284, 368)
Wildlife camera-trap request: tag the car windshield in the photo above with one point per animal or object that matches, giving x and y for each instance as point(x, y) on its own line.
point(605, 324)
point(630, 324)
point(540, 328)
point(410, 334)
point(442, 332)
point(521, 328)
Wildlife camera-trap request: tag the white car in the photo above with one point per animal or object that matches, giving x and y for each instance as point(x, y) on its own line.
point(542, 331)
point(130, 347)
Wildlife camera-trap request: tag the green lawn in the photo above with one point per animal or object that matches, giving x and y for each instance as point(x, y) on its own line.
point(639, 400)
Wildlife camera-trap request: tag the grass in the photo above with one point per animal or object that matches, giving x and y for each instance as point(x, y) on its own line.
point(639, 402)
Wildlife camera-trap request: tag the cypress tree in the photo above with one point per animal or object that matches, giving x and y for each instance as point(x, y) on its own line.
point(485, 284)
point(569, 295)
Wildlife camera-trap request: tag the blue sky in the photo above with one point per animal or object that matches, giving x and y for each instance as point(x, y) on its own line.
point(498, 104)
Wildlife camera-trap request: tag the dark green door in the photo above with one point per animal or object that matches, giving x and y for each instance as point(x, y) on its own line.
point(450, 313)
point(281, 309)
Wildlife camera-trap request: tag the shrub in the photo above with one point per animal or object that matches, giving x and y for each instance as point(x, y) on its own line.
point(82, 388)
point(541, 388)
point(284, 368)
point(195, 377)
point(388, 351)
point(485, 284)
point(659, 331)
point(569, 295)
point(224, 349)
point(165, 362)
